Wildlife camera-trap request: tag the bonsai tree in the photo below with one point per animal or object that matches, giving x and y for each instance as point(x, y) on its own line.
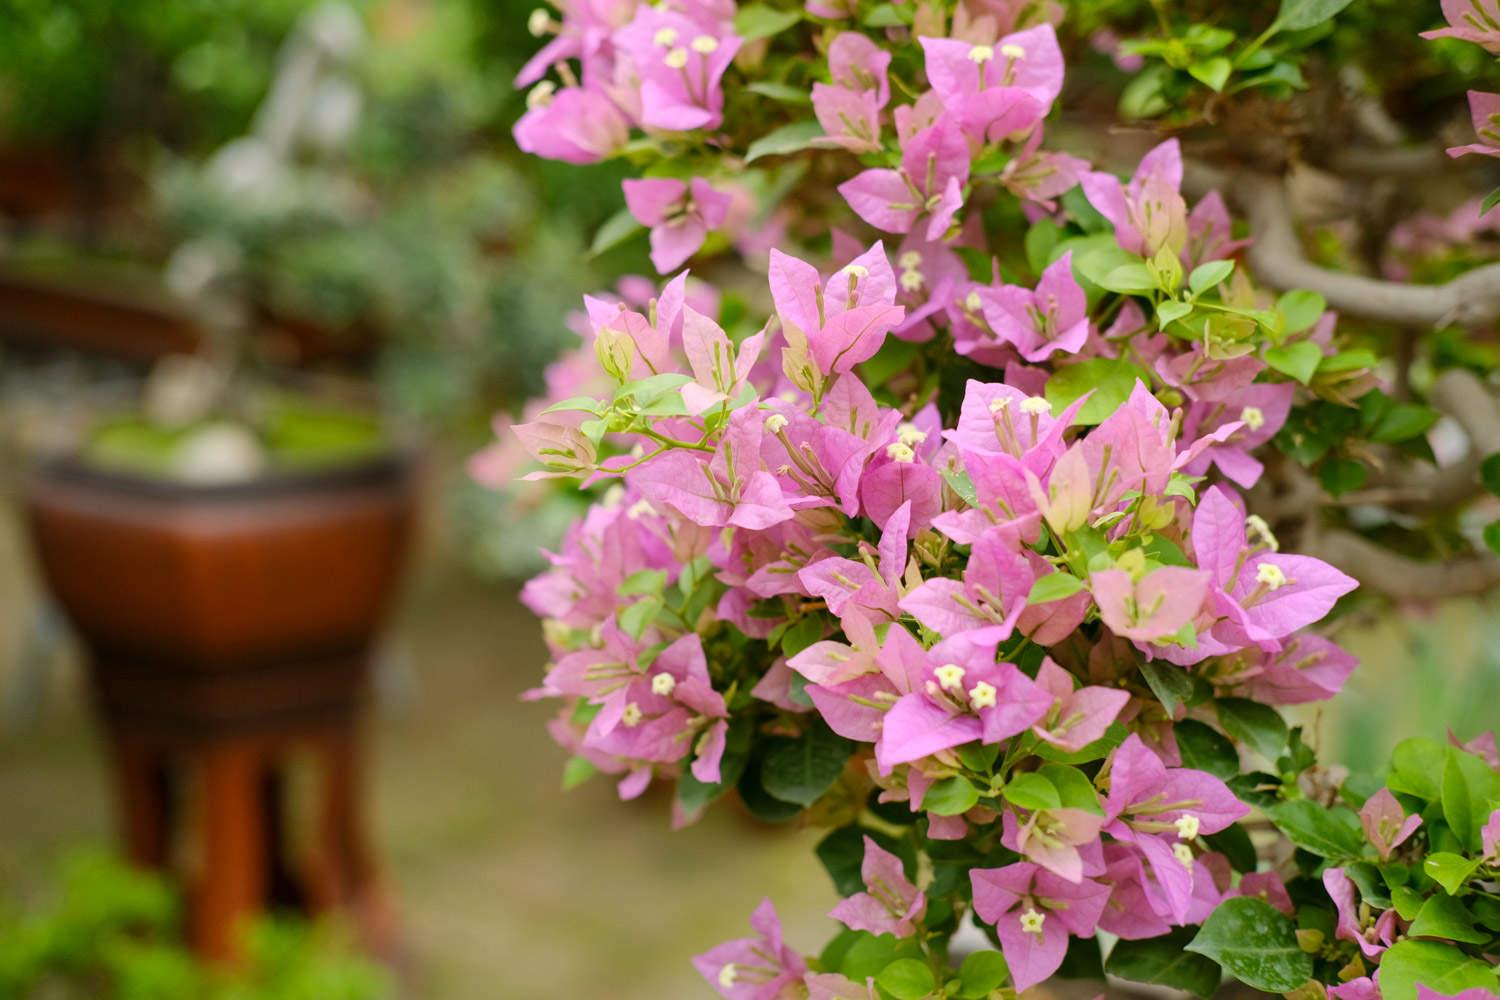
point(992, 524)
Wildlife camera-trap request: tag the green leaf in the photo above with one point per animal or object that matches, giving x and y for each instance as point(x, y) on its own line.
point(803, 633)
point(1492, 537)
point(1213, 73)
point(790, 138)
point(1442, 968)
point(1417, 768)
point(1030, 790)
point(1170, 312)
point(1210, 275)
point(1299, 360)
point(907, 979)
point(1258, 726)
point(646, 581)
point(1329, 833)
point(1297, 15)
point(1134, 278)
point(1471, 791)
point(760, 21)
point(1301, 309)
point(1111, 380)
point(576, 771)
point(952, 796)
point(1074, 789)
point(888, 15)
point(1055, 587)
point(639, 616)
point(1205, 749)
point(783, 92)
point(1445, 917)
point(1449, 870)
point(1343, 475)
point(1402, 422)
point(1172, 685)
point(1256, 944)
point(1490, 201)
point(1164, 961)
point(1235, 844)
point(982, 973)
point(762, 805)
point(801, 770)
point(1489, 473)
point(617, 229)
point(1041, 240)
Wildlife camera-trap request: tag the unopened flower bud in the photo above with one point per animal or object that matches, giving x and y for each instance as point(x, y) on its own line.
point(616, 353)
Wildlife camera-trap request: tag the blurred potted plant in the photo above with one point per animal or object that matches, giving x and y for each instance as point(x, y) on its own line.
point(228, 554)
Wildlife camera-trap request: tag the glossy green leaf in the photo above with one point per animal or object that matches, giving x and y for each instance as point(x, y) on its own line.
point(1299, 361)
point(1204, 748)
point(1329, 833)
point(790, 138)
point(1258, 726)
point(1449, 870)
point(1256, 944)
point(1442, 968)
point(1030, 790)
point(951, 796)
point(1110, 379)
point(801, 770)
point(907, 979)
point(981, 973)
point(757, 20)
point(1442, 916)
point(1164, 961)
point(1296, 15)
point(1055, 587)
point(617, 229)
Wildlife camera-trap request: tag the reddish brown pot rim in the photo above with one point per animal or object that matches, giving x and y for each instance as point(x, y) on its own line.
point(396, 464)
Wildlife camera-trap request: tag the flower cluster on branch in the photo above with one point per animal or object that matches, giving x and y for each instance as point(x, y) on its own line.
point(942, 540)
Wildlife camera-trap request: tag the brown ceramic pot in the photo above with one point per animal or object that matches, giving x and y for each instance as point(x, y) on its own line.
point(228, 631)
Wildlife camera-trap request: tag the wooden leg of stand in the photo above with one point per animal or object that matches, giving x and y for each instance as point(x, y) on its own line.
point(142, 794)
point(233, 879)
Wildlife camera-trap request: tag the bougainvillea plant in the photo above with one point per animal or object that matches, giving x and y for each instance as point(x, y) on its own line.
point(991, 521)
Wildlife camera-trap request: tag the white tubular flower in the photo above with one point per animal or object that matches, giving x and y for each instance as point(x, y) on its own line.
point(950, 676)
point(663, 684)
point(1270, 576)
